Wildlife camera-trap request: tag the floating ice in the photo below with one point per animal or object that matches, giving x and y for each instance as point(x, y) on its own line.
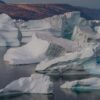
point(33, 52)
point(8, 31)
point(83, 85)
point(69, 45)
point(83, 34)
point(36, 83)
point(58, 23)
point(63, 62)
point(36, 50)
point(92, 67)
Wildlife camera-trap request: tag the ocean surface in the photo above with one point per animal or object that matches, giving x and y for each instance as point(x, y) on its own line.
point(8, 73)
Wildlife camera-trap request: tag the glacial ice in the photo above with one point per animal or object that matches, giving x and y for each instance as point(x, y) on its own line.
point(83, 34)
point(32, 52)
point(97, 29)
point(92, 67)
point(36, 83)
point(83, 85)
point(68, 59)
point(69, 45)
point(38, 48)
point(8, 31)
point(58, 23)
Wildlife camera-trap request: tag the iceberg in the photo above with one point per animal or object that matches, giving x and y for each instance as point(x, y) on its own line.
point(65, 62)
point(83, 35)
point(97, 29)
point(92, 67)
point(83, 85)
point(39, 48)
point(36, 24)
point(69, 45)
point(8, 31)
point(27, 28)
point(57, 23)
point(36, 83)
point(32, 52)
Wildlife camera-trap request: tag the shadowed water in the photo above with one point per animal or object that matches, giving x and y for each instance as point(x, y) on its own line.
point(8, 73)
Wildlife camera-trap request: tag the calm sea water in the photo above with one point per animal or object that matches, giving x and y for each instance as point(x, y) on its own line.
point(9, 73)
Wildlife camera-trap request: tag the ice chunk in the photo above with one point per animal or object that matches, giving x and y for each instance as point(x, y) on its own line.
point(36, 83)
point(8, 31)
point(83, 85)
point(97, 29)
point(58, 23)
point(69, 21)
point(65, 43)
point(6, 23)
point(92, 67)
point(37, 48)
point(83, 34)
point(68, 59)
point(33, 52)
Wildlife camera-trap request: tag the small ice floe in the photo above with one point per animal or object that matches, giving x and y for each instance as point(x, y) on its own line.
point(8, 31)
point(36, 83)
point(59, 23)
point(83, 85)
point(66, 62)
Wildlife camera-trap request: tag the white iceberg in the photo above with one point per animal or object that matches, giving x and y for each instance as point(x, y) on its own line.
point(83, 34)
point(57, 23)
point(69, 45)
point(6, 22)
point(28, 28)
point(66, 61)
point(8, 31)
point(39, 48)
point(83, 85)
point(97, 29)
point(33, 52)
point(36, 83)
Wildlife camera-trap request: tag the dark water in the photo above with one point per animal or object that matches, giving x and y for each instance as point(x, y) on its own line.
point(9, 73)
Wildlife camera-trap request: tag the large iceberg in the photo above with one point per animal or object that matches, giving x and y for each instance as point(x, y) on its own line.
point(65, 62)
point(28, 28)
point(36, 83)
point(39, 48)
point(58, 23)
point(33, 52)
point(83, 85)
point(8, 31)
